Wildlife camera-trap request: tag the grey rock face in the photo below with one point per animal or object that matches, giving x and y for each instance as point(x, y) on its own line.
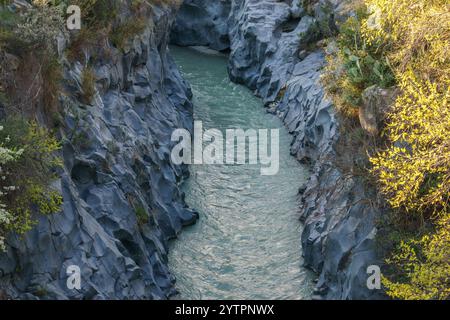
point(272, 52)
point(202, 23)
point(339, 236)
point(376, 103)
point(116, 152)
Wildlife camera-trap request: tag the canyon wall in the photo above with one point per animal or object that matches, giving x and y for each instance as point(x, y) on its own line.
point(116, 157)
point(275, 50)
point(121, 197)
point(203, 23)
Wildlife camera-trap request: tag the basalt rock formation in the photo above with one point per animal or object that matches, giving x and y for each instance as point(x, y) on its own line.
point(275, 51)
point(121, 196)
point(202, 23)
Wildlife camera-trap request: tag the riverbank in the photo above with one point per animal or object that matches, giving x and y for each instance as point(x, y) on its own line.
point(121, 197)
point(273, 50)
point(242, 245)
point(122, 98)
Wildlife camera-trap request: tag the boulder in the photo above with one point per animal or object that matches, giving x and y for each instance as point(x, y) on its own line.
point(376, 102)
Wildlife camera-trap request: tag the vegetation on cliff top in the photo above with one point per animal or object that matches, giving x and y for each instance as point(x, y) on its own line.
point(30, 84)
point(27, 170)
point(401, 43)
point(404, 43)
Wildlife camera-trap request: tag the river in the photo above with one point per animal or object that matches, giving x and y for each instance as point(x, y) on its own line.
point(246, 244)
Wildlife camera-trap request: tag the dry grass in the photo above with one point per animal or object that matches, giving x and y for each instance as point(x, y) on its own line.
point(87, 85)
point(127, 30)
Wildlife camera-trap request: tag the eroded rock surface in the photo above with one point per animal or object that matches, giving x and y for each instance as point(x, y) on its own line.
point(202, 23)
point(117, 167)
point(121, 197)
point(274, 52)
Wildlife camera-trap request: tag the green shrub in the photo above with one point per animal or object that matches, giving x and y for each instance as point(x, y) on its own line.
point(356, 65)
point(27, 164)
point(34, 29)
point(141, 215)
point(404, 42)
point(8, 40)
point(423, 264)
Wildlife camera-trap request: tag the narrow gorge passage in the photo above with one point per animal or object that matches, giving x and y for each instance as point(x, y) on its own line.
point(246, 243)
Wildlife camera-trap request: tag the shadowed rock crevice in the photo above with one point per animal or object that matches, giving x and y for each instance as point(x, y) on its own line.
point(202, 23)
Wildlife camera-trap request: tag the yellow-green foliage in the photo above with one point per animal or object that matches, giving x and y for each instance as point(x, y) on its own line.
point(417, 33)
point(355, 65)
point(27, 162)
point(425, 264)
point(412, 38)
point(414, 171)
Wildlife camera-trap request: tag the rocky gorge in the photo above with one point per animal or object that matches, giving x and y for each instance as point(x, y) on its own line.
point(117, 174)
point(117, 170)
point(273, 50)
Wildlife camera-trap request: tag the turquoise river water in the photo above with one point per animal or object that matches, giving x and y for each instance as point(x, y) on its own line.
point(246, 244)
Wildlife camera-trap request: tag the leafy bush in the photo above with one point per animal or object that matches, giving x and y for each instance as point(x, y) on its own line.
point(356, 65)
point(34, 29)
point(425, 266)
point(406, 42)
point(414, 172)
point(31, 37)
point(27, 162)
point(26, 150)
point(6, 218)
point(417, 33)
